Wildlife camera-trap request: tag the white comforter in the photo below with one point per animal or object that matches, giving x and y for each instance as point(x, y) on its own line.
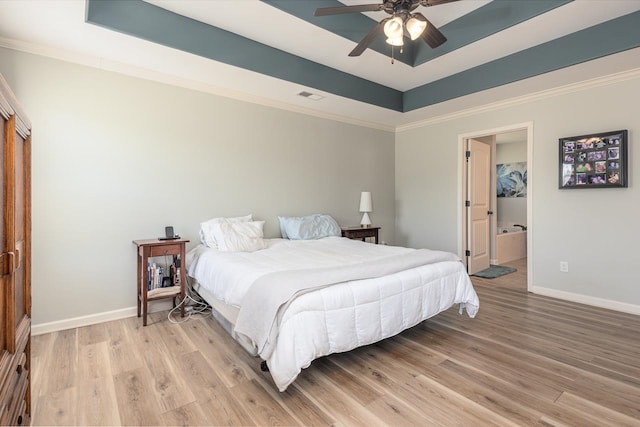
point(340, 317)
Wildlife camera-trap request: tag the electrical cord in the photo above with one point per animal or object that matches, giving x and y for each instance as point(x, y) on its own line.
point(196, 311)
point(191, 291)
point(195, 306)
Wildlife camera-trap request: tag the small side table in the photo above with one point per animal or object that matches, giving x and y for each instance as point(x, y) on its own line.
point(150, 248)
point(360, 233)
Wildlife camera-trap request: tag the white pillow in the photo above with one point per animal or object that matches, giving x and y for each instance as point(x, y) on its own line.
point(239, 236)
point(206, 237)
point(311, 227)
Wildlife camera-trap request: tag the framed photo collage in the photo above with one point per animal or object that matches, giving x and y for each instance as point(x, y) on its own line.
point(594, 161)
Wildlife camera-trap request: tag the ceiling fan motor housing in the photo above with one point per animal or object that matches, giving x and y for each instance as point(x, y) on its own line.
point(400, 7)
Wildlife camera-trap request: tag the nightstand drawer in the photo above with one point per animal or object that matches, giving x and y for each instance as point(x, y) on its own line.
point(360, 233)
point(164, 250)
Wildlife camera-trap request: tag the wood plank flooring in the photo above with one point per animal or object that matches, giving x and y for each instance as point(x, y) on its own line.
point(524, 360)
point(515, 280)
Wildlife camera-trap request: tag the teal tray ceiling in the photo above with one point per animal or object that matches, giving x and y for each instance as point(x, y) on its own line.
point(146, 21)
point(482, 22)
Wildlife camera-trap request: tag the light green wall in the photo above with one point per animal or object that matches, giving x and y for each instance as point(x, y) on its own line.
point(117, 158)
point(106, 146)
point(594, 230)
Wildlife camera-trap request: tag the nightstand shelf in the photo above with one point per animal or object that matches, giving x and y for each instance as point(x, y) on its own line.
point(361, 233)
point(150, 248)
point(160, 293)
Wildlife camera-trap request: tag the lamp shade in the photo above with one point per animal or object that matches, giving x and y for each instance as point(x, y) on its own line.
point(415, 27)
point(393, 27)
point(395, 42)
point(366, 204)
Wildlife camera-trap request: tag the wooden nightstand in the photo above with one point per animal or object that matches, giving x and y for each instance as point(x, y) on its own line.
point(150, 248)
point(360, 233)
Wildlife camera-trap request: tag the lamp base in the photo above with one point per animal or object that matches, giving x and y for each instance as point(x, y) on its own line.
point(366, 221)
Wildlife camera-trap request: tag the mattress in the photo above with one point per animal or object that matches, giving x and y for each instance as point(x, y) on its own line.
point(335, 318)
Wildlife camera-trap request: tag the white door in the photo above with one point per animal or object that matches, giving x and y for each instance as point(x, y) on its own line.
point(479, 204)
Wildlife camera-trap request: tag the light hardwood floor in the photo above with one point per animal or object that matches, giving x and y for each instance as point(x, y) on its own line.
point(515, 280)
point(524, 360)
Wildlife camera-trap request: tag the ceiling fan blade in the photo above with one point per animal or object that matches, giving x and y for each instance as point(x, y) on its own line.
point(431, 35)
point(324, 11)
point(366, 41)
point(435, 2)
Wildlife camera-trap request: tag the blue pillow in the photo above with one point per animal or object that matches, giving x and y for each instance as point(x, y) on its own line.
point(283, 230)
point(309, 227)
point(284, 220)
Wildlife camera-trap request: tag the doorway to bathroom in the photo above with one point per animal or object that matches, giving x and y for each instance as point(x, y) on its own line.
point(495, 214)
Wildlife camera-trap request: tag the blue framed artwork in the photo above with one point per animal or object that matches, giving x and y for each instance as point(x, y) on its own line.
point(512, 179)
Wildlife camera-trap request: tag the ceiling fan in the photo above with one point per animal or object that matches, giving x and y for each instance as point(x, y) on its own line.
point(403, 22)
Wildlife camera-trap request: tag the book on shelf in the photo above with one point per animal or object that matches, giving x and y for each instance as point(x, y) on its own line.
point(163, 276)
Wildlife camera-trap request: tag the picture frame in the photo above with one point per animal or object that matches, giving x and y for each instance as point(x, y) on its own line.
point(511, 179)
point(596, 160)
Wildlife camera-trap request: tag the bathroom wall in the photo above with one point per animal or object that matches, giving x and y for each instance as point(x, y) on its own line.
point(511, 210)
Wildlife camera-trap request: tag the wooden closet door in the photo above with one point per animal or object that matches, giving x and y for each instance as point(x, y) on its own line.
point(15, 266)
point(5, 301)
point(16, 203)
point(19, 223)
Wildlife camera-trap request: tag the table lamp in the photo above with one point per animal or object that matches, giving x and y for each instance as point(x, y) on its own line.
point(366, 206)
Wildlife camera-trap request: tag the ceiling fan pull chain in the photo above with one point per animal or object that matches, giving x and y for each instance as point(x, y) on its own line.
point(391, 54)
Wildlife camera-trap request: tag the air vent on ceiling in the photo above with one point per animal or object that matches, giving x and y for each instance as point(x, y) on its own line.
point(310, 95)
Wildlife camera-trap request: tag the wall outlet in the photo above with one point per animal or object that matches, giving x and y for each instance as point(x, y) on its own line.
point(564, 266)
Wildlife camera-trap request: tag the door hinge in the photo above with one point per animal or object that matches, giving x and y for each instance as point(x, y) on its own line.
point(467, 203)
point(467, 154)
point(467, 252)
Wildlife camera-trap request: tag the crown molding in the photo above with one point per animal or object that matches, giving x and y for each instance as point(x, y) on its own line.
point(519, 100)
point(152, 75)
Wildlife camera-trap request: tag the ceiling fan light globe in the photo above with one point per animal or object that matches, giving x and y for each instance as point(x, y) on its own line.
point(415, 27)
point(393, 27)
point(397, 41)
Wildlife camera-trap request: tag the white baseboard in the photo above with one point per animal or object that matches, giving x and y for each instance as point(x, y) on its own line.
point(588, 300)
point(92, 319)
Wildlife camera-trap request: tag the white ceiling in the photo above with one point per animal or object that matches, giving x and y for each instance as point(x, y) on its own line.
point(57, 28)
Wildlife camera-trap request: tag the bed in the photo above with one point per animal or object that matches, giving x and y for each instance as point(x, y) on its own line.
point(293, 301)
